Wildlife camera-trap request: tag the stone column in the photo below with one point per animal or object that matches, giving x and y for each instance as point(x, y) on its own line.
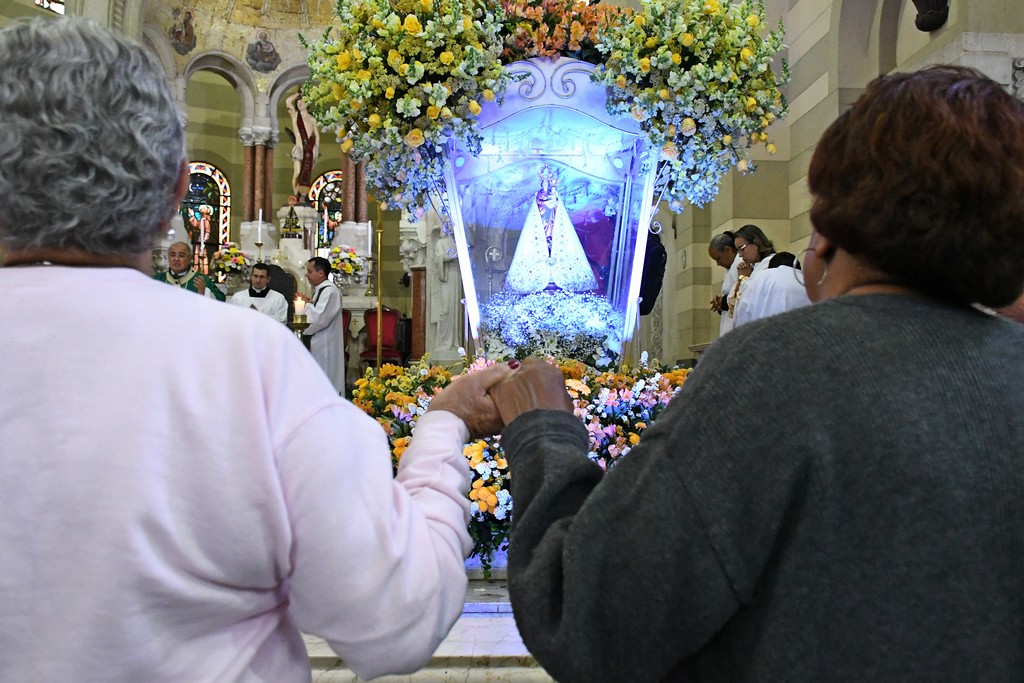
point(348, 197)
point(360, 193)
point(248, 140)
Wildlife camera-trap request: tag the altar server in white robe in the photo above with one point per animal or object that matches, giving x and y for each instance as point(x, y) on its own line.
point(260, 297)
point(775, 290)
point(326, 329)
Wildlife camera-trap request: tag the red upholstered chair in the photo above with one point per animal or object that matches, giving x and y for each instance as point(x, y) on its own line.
point(390, 340)
point(346, 320)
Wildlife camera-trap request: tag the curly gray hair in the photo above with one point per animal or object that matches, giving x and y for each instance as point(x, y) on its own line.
point(91, 146)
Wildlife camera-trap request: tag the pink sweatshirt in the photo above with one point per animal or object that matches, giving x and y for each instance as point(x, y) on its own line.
point(182, 492)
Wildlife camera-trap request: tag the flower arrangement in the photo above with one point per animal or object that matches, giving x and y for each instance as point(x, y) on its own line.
point(396, 80)
point(553, 28)
point(697, 76)
point(231, 260)
point(615, 407)
point(556, 323)
point(345, 261)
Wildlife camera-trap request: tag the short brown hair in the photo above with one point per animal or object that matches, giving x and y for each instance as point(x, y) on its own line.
point(923, 178)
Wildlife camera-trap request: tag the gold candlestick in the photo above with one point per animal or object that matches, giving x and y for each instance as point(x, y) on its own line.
point(298, 325)
point(380, 302)
point(370, 282)
point(259, 252)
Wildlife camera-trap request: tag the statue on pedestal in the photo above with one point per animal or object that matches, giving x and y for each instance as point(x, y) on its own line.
point(444, 300)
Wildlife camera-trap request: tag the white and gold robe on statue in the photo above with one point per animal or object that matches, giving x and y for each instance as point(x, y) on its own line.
point(534, 267)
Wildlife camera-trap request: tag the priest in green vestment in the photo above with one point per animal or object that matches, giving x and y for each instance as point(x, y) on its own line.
point(184, 275)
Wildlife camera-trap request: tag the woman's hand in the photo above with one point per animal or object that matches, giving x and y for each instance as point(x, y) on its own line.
point(467, 398)
point(744, 269)
point(535, 385)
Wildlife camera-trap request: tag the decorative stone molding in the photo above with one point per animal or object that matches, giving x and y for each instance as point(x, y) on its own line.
point(412, 246)
point(247, 136)
point(257, 135)
point(656, 336)
point(1017, 82)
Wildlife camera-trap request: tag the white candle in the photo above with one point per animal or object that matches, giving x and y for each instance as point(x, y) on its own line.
point(259, 227)
point(300, 307)
point(369, 238)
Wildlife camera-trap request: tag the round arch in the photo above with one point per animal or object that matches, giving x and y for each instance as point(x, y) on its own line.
point(234, 71)
point(289, 77)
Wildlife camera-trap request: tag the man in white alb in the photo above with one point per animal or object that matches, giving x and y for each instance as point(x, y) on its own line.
point(723, 252)
point(260, 297)
point(326, 330)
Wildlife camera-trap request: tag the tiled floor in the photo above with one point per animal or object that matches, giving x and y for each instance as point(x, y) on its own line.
point(484, 645)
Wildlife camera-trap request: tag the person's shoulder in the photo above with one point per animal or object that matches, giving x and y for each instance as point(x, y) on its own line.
point(161, 276)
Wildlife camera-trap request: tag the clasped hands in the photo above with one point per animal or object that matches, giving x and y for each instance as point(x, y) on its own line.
point(491, 398)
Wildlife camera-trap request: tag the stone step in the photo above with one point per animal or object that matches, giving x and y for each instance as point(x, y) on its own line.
point(483, 646)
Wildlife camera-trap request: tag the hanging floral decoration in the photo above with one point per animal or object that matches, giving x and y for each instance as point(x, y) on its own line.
point(394, 81)
point(697, 75)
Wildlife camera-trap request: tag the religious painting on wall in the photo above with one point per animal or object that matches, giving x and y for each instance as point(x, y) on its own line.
point(182, 33)
point(261, 55)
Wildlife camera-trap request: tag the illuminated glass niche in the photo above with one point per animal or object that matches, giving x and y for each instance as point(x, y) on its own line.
point(552, 216)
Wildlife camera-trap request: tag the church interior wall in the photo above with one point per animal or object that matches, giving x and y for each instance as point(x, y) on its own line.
point(835, 47)
point(211, 135)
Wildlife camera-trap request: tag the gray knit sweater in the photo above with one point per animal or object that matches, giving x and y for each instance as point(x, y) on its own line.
point(857, 515)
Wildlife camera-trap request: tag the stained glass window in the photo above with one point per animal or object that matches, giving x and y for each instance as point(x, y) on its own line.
point(52, 5)
point(325, 194)
point(206, 210)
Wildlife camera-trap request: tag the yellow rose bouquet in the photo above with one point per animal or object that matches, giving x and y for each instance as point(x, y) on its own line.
point(697, 75)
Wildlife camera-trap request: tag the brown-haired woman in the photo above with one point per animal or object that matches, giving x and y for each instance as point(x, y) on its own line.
point(866, 518)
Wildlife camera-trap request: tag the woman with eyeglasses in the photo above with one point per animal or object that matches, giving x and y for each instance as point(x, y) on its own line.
point(867, 521)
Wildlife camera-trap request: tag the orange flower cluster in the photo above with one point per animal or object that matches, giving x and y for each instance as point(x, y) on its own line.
point(552, 28)
point(485, 497)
